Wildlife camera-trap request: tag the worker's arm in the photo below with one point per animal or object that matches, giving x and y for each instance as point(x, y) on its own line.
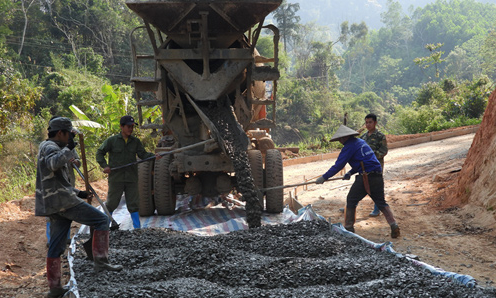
point(141, 152)
point(56, 158)
point(382, 148)
point(101, 152)
point(343, 158)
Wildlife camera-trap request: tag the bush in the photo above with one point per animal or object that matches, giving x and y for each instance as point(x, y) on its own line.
point(418, 120)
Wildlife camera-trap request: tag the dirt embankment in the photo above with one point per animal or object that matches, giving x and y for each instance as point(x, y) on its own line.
point(476, 182)
point(399, 138)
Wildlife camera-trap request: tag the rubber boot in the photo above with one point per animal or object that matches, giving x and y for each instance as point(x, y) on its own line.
point(375, 212)
point(88, 245)
point(100, 252)
point(136, 220)
point(349, 219)
point(388, 214)
point(53, 277)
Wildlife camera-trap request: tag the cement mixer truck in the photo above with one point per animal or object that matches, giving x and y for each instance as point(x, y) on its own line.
point(216, 96)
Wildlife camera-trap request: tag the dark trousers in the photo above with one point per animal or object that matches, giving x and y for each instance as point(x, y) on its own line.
point(130, 190)
point(357, 191)
point(60, 224)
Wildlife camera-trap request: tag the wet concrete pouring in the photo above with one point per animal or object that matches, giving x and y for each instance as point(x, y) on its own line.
point(303, 259)
point(236, 144)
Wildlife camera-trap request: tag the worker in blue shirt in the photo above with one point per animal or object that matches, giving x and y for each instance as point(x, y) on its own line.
point(358, 154)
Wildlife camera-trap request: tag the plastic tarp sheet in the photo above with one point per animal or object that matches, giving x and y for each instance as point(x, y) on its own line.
point(201, 220)
point(461, 279)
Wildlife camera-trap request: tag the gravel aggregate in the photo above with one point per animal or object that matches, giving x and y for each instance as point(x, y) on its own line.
point(303, 259)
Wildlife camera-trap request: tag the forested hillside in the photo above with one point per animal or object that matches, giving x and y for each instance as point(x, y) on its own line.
point(424, 68)
point(331, 13)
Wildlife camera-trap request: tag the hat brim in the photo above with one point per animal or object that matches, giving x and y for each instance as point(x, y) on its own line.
point(343, 131)
point(339, 137)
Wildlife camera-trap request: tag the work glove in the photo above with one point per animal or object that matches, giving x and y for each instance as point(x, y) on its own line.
point(320, 180)
point(71, 144)
point(347, 176)
point(83, 194)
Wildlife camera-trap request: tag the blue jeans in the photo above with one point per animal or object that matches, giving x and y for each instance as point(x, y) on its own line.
point(60, 225)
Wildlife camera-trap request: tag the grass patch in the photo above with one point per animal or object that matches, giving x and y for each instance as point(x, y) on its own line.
point(18, 170)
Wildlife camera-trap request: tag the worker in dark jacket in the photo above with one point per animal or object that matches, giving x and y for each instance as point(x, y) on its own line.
point(378, 143)
point(72, 178)
point(56, 199)
point(362, 160)
point(122, 149)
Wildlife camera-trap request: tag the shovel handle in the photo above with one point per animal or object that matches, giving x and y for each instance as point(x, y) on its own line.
point(209, 141)
point(298, 184)
point(85, 165)
point(114, 223)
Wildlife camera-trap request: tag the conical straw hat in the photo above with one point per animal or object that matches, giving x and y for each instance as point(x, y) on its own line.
point(343, 131)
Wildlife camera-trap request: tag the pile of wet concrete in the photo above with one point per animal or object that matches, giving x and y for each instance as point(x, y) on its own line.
point(303, 259)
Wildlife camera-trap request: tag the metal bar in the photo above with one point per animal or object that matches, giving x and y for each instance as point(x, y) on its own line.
point(209, 124)
point(298, 184)
point(151, 35)
point(218, 10)
point(257, 34)
point(165, 153)
point(205, 45)
point(181, 17)
point(194, 54)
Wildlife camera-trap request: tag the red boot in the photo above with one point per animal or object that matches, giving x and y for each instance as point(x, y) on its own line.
point(100, 252)
point(388, 214)
point(53, 276)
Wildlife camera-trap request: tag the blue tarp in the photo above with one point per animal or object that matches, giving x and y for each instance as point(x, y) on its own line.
point(220, 220)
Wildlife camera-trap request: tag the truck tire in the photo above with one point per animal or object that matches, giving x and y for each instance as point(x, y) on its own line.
point(164, 196)
point(256, 163)
point(145, 188)
point(274, 199)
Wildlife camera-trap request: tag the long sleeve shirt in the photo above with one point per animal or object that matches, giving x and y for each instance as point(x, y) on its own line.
point(120, 153)
point(54, 192)
point(354, 151)
point(377, 141)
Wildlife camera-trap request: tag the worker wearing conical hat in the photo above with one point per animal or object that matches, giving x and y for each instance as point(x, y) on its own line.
point(358, 154)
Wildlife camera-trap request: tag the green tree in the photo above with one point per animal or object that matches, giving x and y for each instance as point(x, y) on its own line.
point(431, 94)
point(17, 98)
point(287, 21)
point(489, 55)
point(390, 71)
point(398, 26)
point(325, 63)
point(24, 7)
point(352, 34)
point(6, 15)
point(476, 96)
point(433, 59)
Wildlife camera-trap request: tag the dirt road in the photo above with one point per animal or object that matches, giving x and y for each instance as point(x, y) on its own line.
point(459, 240)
